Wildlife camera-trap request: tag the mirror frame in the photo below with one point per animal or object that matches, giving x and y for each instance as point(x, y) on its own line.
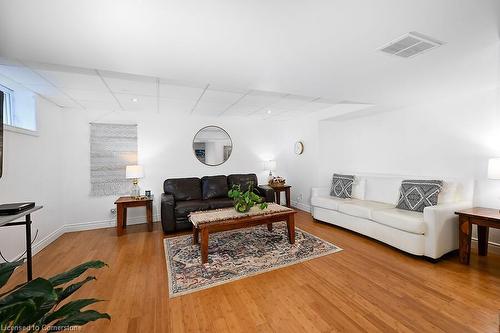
point(230, 139)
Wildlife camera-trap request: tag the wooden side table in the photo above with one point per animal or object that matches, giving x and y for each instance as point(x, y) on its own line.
point(484, 218)
point(277, 193)
point(121, 211)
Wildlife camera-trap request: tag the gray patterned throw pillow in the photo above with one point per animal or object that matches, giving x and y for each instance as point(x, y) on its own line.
point(415, 195)
point(341, 186)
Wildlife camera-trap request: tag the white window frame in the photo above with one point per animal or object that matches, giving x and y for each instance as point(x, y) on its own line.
point(9, 114)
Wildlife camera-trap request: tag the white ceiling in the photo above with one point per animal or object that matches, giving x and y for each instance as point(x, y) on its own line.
point(250, 54)
point(72, 87)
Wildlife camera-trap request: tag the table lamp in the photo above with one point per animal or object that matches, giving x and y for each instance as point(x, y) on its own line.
point(135, 172)
point(270, 165)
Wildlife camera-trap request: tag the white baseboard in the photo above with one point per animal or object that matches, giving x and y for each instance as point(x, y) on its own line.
point(301, 206)
point(489, 242)
point(44, 242)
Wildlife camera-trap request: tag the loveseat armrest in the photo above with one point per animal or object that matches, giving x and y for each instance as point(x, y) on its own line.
point(266, 192)
point(168, 213)
point(441, 221)
point(320, 191)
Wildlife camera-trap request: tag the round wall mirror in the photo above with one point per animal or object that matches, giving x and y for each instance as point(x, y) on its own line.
point(212, 145)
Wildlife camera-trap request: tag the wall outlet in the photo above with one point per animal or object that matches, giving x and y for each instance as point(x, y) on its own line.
point(300, 197)
point(113, 211)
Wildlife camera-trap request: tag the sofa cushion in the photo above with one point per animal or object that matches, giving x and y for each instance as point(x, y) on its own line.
point(220, 203)
point(183, 188)
point(362, 208)
point(415, 195)
point(401, 219)
point(214, 187)
point(329, 202)
point(183, 208)
point(342, 186)
point(244, 180)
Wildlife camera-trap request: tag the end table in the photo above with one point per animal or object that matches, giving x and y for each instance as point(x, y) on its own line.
point(484, 218)
point(277, 193)
point(121, 211)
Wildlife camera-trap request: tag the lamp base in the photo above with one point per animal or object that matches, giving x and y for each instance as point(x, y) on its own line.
point(136, 190)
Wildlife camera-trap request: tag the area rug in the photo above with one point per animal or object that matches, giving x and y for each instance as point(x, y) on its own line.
point(237, 254)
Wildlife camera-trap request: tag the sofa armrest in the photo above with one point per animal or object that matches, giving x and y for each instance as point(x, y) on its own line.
point(168, 212)
point(320, 191)
point(441, 236)
point(266, 192)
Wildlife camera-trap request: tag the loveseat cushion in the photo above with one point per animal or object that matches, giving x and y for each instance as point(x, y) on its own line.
point(401, 219)
point(362, 208)
point(220, 203)
point(329, 202)
point(244, 180)
point(183, 188)
point(214, 187)
point(183, 208)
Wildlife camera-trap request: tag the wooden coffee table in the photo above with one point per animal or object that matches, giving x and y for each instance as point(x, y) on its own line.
point(244, 222)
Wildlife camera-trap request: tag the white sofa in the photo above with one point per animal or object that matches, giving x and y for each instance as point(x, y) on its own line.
point(372, 212)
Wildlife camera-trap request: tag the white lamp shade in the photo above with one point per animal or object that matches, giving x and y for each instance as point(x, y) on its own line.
point(494, 168)
point(134, 172)
point(270, 165)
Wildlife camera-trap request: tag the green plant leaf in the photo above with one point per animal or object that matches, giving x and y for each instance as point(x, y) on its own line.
point(69, 308)
point(6, 270)
point(75, 272)
point(79, 319)
point(68, 291)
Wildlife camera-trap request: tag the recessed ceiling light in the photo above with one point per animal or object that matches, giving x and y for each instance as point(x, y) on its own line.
point(135, 100)
point(269, 111)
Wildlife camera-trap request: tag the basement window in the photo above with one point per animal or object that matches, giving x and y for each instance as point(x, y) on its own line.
point(19, 114)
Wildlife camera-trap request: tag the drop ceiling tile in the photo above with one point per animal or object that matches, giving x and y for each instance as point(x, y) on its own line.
point(130, 84)
point(176, 105)
point(88, 95)
point(111, 105)
point(240, 110)
point(143, 103)
point(171, 90)
point(221, 97)
point(45, 90)
point(22, 75)
point(271, 112)
point(291, 101)
point(210, 109)
point(313, 106)
point(64, 101)
point(260, 98)
point(71, 78)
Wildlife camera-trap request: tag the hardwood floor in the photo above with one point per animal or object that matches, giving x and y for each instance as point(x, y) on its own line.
point(367, 287)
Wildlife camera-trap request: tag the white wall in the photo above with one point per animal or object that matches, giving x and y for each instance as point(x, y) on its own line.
point(32, 172)
point(451, 138)
point(165, 151)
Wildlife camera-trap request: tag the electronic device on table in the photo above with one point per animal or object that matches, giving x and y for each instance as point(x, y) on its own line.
point(15, 208)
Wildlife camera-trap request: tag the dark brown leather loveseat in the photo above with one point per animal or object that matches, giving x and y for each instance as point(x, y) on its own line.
point(185, 195)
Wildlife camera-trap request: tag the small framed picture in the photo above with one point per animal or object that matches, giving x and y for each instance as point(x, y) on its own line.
point(148, 193)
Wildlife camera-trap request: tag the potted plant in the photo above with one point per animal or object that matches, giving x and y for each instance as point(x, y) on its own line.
point(243, 201)
point(36, 306)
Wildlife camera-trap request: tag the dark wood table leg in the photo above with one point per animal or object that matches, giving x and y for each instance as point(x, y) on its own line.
point(465, 234)
point(204, 245)
point(287, 195)
point(119, 219)
point(290, 224)
point(125, 210)
point(29, 258)
point(270, 227)
point(277, 194)
point(195, 235)
point(149, 214)
point(482, 239)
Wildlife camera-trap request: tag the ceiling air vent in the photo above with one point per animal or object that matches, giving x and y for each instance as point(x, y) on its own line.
point(410, 45)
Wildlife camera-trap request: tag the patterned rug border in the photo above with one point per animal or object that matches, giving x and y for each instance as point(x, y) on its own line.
point(169, 273)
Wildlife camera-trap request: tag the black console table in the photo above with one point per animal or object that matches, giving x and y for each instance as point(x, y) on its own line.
point(10, 220)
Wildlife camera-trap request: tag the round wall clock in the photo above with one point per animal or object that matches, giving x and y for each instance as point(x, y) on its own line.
point(298, 148)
